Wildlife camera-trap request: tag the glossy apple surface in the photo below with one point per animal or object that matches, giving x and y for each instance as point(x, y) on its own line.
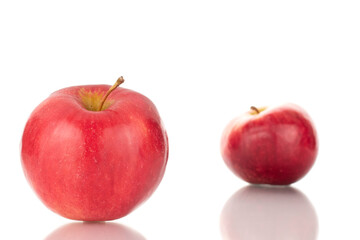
point(275, 145)
point(94, 165)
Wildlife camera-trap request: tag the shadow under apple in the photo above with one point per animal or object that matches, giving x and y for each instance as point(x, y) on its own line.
point(94, 231)
point(271, 213)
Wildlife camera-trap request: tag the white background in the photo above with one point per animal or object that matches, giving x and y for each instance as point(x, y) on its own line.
point(202, 63)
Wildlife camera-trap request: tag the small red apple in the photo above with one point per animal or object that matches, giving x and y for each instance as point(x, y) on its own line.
point(94, 153)
point(275, 145)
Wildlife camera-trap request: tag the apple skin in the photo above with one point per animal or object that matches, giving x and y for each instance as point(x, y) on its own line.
point(277, 146)
point(94, 166)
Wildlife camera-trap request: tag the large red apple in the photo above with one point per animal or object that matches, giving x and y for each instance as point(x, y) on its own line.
point(94, 153)
point(275, 145)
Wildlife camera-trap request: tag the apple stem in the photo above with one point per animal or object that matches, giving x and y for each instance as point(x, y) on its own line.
point(255, 109)
point(117, 83)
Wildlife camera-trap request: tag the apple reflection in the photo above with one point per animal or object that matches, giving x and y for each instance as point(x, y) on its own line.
point(271, 213)
point(94, 231)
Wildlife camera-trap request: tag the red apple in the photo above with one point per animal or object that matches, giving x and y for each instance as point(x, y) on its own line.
point(94, 153)
point(276, 145)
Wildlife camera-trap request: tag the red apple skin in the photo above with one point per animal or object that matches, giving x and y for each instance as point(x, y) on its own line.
point(278, 146)
point(94, 166)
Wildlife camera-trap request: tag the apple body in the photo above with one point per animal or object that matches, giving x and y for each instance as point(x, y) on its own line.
point(276, 145)
point(94, 165)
